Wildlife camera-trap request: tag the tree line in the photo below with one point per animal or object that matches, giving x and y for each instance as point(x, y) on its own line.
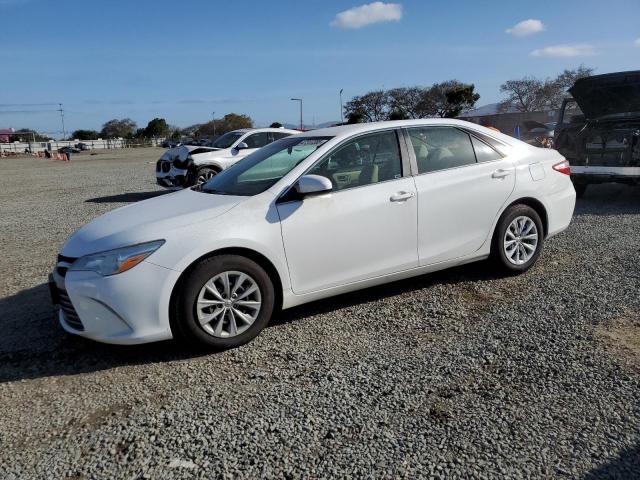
point(446, 99)
point(158, 127)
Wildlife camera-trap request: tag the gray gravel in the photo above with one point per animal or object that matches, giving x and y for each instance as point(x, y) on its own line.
point(459, 374)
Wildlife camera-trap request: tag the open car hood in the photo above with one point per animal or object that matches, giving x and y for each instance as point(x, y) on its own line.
point(609, 94)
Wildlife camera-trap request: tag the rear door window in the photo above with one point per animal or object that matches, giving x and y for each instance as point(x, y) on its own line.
point(441, 148)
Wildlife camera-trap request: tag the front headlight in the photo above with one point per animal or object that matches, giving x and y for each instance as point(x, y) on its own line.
point(116, 261)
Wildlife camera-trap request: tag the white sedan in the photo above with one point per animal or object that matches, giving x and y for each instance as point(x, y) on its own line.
point(307, 217)
point(188, 165)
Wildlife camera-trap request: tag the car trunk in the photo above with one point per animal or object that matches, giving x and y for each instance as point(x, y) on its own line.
point(608, 134)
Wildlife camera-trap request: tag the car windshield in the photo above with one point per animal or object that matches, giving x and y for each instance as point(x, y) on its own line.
point(262, 169)
point(226, 140)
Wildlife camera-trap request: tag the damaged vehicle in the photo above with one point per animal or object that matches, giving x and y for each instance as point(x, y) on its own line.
point(537, 134)
point(598, 130)
point(189, 165)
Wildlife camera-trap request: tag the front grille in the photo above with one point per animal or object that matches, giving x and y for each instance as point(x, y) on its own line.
point(166, 166)
point(70, 314)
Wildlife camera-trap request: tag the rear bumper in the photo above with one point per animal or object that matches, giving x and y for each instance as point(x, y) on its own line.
point(601, 174)
point(560, 207)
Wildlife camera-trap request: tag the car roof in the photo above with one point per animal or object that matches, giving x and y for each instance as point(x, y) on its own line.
point(247, 130)
point(348, 130)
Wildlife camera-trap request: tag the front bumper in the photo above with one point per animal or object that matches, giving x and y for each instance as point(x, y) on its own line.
point(128, 308)
point(170, 176)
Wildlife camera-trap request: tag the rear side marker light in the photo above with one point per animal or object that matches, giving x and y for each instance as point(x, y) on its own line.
point(563, 167)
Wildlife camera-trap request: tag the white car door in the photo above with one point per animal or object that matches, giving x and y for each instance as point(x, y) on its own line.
point(365, 227)
point(462, 183)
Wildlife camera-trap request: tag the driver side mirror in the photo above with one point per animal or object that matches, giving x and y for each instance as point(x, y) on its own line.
point(241, 146)
point(312, 184)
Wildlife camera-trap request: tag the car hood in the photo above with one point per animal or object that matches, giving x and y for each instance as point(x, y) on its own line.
point(147, 220)
point(610, 94)
point(181, 151)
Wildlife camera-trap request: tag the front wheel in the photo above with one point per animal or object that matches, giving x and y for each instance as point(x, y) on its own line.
point(205, 174)
point(224, 302)
point(518, 239)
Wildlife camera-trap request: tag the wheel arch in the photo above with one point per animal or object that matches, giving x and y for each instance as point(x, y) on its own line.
point(257, 257)
point(539, 208)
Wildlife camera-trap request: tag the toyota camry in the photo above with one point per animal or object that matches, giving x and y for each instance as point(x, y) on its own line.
point(307, 217)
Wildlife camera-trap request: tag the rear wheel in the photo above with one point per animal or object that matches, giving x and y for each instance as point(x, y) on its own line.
point(518, 239)
point(224, 302)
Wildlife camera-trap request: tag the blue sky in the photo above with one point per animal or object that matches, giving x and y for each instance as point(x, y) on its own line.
point(184, 60)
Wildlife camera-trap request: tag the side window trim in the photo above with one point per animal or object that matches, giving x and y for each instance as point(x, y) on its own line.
point(492, 142)
point(475, 137)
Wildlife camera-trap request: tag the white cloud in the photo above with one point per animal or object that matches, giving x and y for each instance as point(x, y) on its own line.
point(526, 27)
point(637, 42)
point(368, 14)
point(577, 50)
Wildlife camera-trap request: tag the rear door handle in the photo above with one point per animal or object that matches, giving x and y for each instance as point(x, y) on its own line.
point(500, 173)
point(401, 196)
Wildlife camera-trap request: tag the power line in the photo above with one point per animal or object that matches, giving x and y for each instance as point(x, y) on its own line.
point(64, 133)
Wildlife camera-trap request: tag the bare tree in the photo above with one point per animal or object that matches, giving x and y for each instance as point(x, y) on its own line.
point(523, 95)
point(532, 94)
point(404, 102)
point(372, 106)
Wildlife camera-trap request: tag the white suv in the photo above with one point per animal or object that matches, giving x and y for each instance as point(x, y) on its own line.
point(189, 165)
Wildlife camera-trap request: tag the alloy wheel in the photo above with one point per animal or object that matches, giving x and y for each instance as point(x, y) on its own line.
point(228, 304)
point(205, 177)
point(520, 240)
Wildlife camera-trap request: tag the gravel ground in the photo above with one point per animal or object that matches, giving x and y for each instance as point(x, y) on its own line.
point(459, 374)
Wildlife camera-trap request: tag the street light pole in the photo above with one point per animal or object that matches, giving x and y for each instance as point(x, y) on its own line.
point(341, 109)
point(299, 100)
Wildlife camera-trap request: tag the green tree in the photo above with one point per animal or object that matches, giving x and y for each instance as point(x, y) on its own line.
point(115, 128)
point(25, 135)
point(275, 125)
point(231, 121)
point(355, 117)
point(157, 127)
point(447, 99)
point(85, 135)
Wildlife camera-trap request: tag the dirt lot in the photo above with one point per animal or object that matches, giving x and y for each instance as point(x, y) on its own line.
point(459, 374)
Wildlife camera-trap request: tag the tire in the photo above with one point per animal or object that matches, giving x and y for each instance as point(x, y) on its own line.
point(514, 260)
point(580, 188)
point(191, 310)
point(204, 174)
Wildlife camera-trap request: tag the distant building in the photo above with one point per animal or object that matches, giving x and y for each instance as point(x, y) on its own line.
point(507, 122)
point(5, 134)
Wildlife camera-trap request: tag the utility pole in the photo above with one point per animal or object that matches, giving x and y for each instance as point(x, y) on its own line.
point(64, 132)
point(341, 109)
point(299, 100)
point(213, 114)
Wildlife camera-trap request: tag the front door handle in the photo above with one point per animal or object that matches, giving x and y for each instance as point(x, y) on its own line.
point(500, 173)
point(401, 196)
